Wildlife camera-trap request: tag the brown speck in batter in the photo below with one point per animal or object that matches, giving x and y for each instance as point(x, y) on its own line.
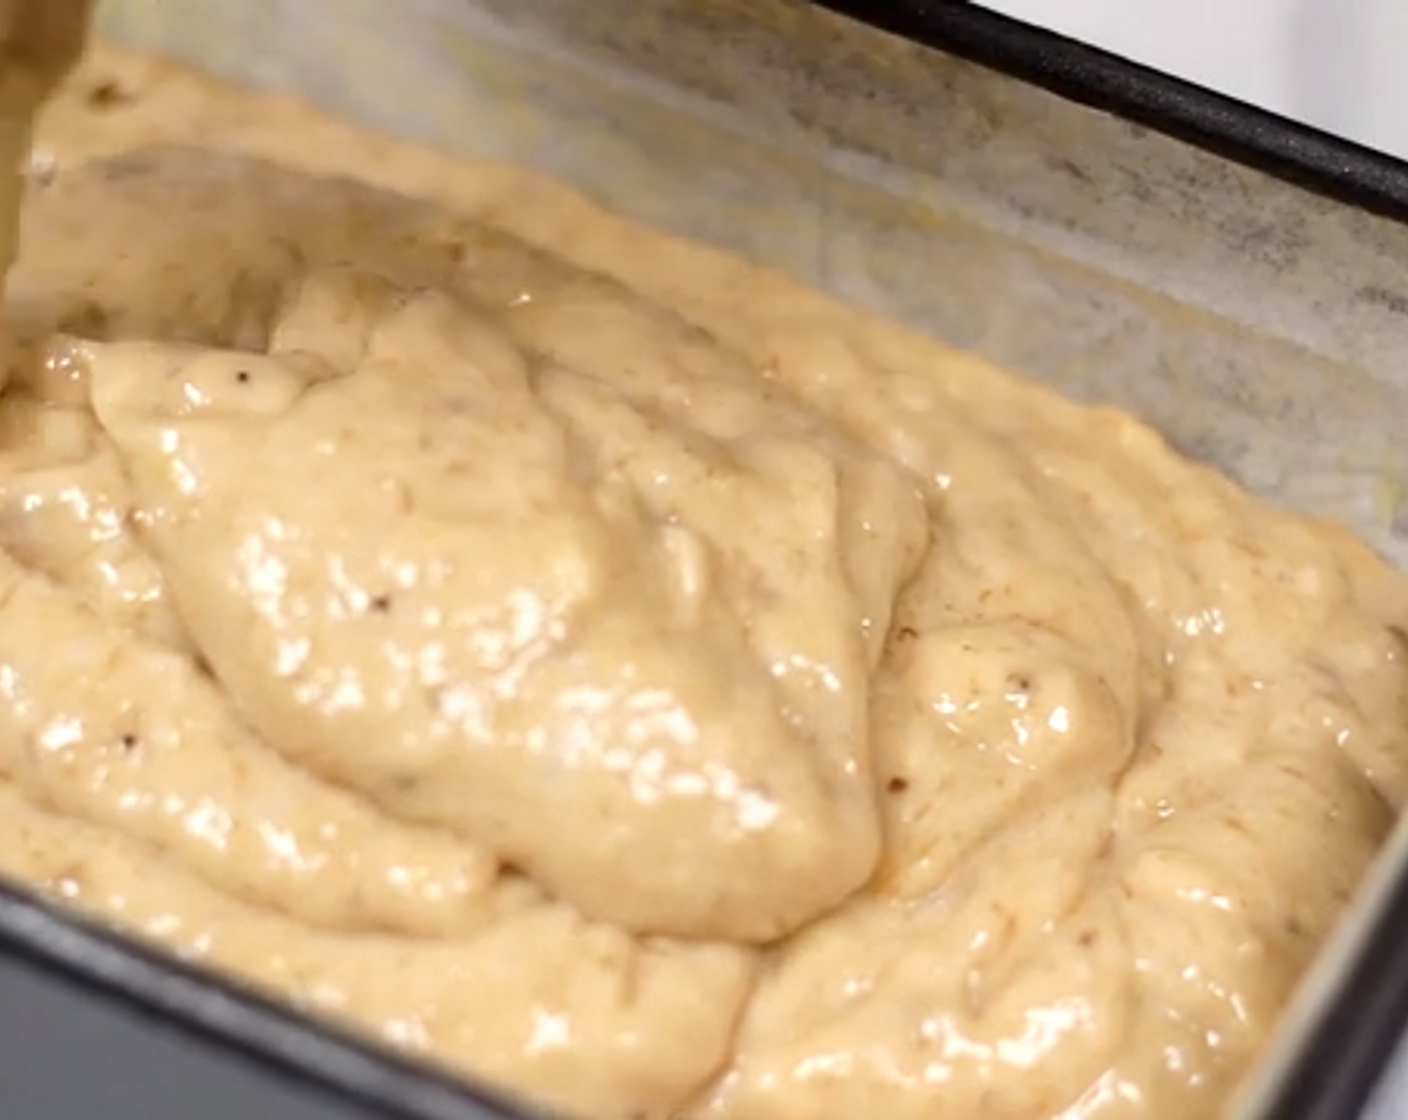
point(107, 95)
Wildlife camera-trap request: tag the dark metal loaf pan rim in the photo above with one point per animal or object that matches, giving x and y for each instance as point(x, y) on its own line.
point(1307, 157)
point(339, 1075)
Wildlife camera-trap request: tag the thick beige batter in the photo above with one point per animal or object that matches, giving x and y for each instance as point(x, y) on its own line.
point(631, 678)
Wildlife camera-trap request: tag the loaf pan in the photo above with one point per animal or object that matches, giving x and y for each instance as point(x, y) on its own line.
point(1233, 278)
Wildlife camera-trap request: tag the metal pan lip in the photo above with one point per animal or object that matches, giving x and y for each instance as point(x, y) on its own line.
point(1327, 165)
point(1345, 1029)
point(352, 1078)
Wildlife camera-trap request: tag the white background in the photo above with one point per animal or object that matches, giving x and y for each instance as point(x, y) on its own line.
point(1341, 65)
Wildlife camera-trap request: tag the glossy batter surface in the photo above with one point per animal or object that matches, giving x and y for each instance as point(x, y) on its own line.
point(634, 679)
